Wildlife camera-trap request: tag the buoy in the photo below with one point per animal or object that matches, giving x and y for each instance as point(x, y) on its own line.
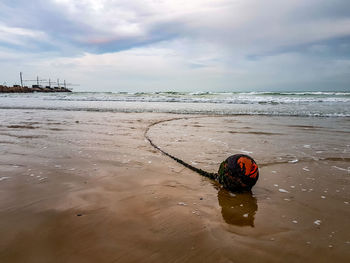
point(238, 173)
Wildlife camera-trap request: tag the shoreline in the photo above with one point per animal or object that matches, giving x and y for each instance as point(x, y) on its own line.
point(199, 114)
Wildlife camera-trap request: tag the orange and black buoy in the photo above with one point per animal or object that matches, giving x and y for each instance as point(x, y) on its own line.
point(238, 173)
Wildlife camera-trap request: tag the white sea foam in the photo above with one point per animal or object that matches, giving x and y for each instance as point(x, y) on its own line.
point(341, 169)
point(328, 104)
point(317, 222)
point(4, 178)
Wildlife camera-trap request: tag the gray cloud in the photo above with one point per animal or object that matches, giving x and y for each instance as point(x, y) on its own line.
point(117, 25)
point(253, 44)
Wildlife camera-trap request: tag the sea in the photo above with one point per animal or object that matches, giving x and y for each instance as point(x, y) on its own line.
point(320, 104)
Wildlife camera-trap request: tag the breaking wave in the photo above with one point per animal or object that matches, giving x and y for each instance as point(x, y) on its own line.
point(323, 104)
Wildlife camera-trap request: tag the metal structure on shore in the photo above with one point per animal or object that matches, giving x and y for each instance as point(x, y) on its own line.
point(41, 85)
point(45, 81)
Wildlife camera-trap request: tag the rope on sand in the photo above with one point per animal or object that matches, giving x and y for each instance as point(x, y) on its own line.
point(195, 169)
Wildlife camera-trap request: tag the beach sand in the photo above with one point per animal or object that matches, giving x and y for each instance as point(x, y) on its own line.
point(88, 187)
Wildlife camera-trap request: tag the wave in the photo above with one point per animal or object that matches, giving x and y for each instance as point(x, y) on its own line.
point(301, 93)
point(184, 111)
point(273, 98)
point(219, 100)
point(322, 104)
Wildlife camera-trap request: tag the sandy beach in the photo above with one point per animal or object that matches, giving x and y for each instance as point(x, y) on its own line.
point(79, 186)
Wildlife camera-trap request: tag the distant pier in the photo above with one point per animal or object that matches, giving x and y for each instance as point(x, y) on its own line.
point(34, 88)
point(38, 87)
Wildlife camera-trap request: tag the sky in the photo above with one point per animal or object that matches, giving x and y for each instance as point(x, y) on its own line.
point(182, 45)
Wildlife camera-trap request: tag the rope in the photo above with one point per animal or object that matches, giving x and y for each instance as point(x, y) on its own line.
point(195, 169)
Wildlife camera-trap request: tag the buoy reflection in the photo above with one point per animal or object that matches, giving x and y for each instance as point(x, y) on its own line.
point(237, 209)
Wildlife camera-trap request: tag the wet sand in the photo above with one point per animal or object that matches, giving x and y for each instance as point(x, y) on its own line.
point(87, 187)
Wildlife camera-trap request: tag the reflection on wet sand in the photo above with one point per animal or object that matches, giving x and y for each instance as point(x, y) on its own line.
point(237, 209)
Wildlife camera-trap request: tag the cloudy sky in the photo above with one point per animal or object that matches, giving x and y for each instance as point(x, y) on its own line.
point(182, 45)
